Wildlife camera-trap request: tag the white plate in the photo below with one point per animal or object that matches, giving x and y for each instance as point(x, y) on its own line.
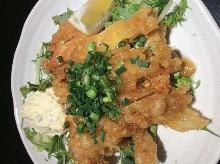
point(198, 38)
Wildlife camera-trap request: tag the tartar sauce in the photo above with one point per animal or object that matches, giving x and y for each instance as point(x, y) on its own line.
point(44, 113)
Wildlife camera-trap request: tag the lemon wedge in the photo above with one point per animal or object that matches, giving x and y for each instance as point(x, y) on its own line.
point(91, 17)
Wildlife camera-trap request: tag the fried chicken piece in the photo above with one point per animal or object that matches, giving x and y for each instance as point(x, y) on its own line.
point(145, 149)
point(82, 146)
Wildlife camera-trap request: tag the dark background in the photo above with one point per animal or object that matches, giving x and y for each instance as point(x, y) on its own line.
point(13, 16)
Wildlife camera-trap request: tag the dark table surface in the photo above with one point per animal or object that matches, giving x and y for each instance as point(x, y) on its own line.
point(13, 16)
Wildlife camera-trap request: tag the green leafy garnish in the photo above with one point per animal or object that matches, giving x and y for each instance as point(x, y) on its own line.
point(176, 15)
point(43, 85)
point(55, 146)
point(127, 156)
point(43, 80)
point(160, 4)
point(124, 9)
point(208, 130)
point(124, 12)
point(59, 19)
point(45, 52)
point(92, 92)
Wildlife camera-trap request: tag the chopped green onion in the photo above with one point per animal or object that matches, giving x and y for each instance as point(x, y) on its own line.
point(89, 57)
point(104, 81)
point(120, 70)
point(118, 79)
point(120, 64)
point(66, 124)
point(94, 117)
point(80, 128)
point(122, 44)
point(143, 64)
point(177, 74)
point(107, 46)
point(91, 46)
point(139, 62)
point(107, 99)
point(79, 83)
point(112, 113)
point(134, 60)
point(70, 62)
point(102, 135)
point(92, 92)
point(68, 111)
point(139, 41)
point(125, 102)
point(86, 79)
point(60, 59)
point(109, 67)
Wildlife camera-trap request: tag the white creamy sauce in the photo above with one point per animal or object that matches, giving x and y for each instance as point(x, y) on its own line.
point(44, 113)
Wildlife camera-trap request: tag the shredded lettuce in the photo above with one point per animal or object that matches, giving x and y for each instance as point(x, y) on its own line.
point(160, 4)
point(59, 19)
point(176, 15)
point(127, 155)
point(55, 146)
point(124, 9)
point(124, 12)
point(43, 80)
point(43, 85)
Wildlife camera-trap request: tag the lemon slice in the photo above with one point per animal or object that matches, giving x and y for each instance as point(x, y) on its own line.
point(91, 17)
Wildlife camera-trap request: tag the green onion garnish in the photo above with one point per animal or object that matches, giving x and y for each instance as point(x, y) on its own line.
point(66, 124)
point(70, 62)
point(125, 102)
point(80, 128)
point(122, 44)
point(102, 135)
point(60, 59)
point(91, 46)
point(120, 70)
point(143, 64)
point(139, 62)
point(104, 81)
point(94, 117)
point(112, 113)
point(92, 92)
point(109, 67)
